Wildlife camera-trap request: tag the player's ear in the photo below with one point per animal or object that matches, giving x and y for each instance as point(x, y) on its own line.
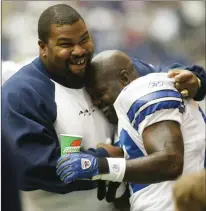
point(124, 77)
point(42, 48)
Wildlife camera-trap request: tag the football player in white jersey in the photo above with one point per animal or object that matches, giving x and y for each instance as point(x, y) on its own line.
point(161, 136)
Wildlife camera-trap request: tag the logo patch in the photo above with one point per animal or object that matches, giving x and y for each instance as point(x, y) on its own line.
point(153, 84)
point(68, 150)
point(85, 163)
point(72, 147)
point(115, 167)
point(76, 143)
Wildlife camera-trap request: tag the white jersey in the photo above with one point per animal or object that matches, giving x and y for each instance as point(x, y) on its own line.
point(146, 101)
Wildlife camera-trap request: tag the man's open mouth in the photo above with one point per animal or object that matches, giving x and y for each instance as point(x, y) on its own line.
point(106, 111)
point(79, 61)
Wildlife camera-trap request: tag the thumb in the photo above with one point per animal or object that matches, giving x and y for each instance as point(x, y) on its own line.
point(173, 72)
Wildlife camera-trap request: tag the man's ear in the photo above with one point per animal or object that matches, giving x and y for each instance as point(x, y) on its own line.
point(124, 77)
point(43, 48)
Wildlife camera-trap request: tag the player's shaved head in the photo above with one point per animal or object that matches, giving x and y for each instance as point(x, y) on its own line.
point(108, 64)
point(110, 72)
point(111, 62)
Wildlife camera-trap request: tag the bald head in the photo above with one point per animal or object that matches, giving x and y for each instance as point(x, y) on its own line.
point(109, 73)
point(108, 65)
point(111, 62)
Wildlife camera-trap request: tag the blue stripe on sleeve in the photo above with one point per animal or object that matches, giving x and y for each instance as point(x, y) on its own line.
point(132, 149)
point(149, 97)
point(134, 152)
point(156, 107)
point(203, 115)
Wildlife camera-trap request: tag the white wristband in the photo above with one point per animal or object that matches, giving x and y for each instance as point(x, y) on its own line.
point(117, 168)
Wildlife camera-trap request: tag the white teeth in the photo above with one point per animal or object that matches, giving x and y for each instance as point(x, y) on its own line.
point(105, 109)
point(80, 61)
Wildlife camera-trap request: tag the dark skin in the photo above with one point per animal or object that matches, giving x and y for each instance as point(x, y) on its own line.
point(165, 155)
point(102, 89)
point(165, 150)
point(67, 46)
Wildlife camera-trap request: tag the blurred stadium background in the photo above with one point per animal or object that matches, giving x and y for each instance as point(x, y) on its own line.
point(156, 32)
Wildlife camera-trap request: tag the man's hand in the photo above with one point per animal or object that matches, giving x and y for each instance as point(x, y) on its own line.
point(76, 166)
point(185, 80)
point(113, 151)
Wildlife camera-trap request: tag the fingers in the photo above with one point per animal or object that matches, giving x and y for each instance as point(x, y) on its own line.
point(172, 73)
point(184, 93)
point(62, 160)
point(63, 166)
point(184, 89)
point(101, 191)
point(185, 82)
point(184, 76)
point(108, 192)
point(189, 85)
point(181, 75)
point(111, 192)
point(66, 175)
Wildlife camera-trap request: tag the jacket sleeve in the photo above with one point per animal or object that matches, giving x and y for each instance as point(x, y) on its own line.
point(143, 68)
point(28, 127)
point(201, 74)
point(9, 186)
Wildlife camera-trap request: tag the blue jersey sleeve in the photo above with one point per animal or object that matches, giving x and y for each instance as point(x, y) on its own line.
point(28, 128)
point(155, 107)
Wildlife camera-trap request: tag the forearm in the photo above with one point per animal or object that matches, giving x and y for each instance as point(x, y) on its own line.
point(157, 167)
point(154, 168)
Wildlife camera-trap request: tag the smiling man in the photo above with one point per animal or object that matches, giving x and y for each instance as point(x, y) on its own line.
point(47, 98)
point(66, 47)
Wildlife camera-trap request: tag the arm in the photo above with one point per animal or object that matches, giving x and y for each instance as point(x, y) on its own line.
point(164, 161)
point(165, 155)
